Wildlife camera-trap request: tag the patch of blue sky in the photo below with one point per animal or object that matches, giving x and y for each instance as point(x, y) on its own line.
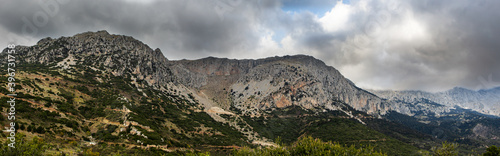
point(317, 7)
point(278, 35)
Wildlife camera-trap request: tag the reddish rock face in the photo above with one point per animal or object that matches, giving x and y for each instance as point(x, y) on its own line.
point(281, 101)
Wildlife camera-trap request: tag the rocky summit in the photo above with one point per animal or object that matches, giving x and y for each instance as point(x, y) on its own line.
point(97, 91)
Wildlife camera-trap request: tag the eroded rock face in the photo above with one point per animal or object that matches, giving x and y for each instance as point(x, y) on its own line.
point(256, 85)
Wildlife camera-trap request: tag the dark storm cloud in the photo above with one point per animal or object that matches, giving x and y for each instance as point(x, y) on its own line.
point(457, 46)
point(465, 36)
point(387, 44)
point(180, 28)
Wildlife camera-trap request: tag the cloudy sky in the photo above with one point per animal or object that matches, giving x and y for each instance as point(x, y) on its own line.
point(378, 44)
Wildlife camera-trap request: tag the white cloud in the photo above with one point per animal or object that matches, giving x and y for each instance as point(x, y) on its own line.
point(337, 18)
point(12, 38)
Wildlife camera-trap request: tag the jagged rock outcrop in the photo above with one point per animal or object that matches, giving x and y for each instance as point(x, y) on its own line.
point(117, 54)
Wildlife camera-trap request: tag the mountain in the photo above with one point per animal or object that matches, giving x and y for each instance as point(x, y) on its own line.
point(117, 92)
point(265, 84)
point(486, 101)
point(461, 115)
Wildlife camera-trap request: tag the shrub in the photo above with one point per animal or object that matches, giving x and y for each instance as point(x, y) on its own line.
point(492, 151)
point(89, 152)
point(308, 146)
point(35, 147)
point(447, 149)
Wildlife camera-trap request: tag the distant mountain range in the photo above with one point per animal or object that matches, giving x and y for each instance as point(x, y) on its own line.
point(486, 101)
point(95, 87)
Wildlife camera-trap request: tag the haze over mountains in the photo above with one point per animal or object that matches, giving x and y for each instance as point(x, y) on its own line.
point(486, 101)
point(147, 98)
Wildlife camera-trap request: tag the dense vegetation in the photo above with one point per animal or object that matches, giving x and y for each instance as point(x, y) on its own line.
point(451, 128)
point(34, 147)
point(294, 122)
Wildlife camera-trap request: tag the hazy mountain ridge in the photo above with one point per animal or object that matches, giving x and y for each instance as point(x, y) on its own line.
point(485, 101)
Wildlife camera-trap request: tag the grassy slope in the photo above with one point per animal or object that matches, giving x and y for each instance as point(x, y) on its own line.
point(66, 108)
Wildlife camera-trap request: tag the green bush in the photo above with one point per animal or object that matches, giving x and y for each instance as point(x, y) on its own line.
point(492, 151)
point(308, 146)
point(447, 149)
point(35, 147)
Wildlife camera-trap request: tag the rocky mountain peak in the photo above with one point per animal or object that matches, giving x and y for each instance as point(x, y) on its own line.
point(98, 34)
point(117, 54)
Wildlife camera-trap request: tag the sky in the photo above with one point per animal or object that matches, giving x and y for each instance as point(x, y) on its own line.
point(378, 44)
